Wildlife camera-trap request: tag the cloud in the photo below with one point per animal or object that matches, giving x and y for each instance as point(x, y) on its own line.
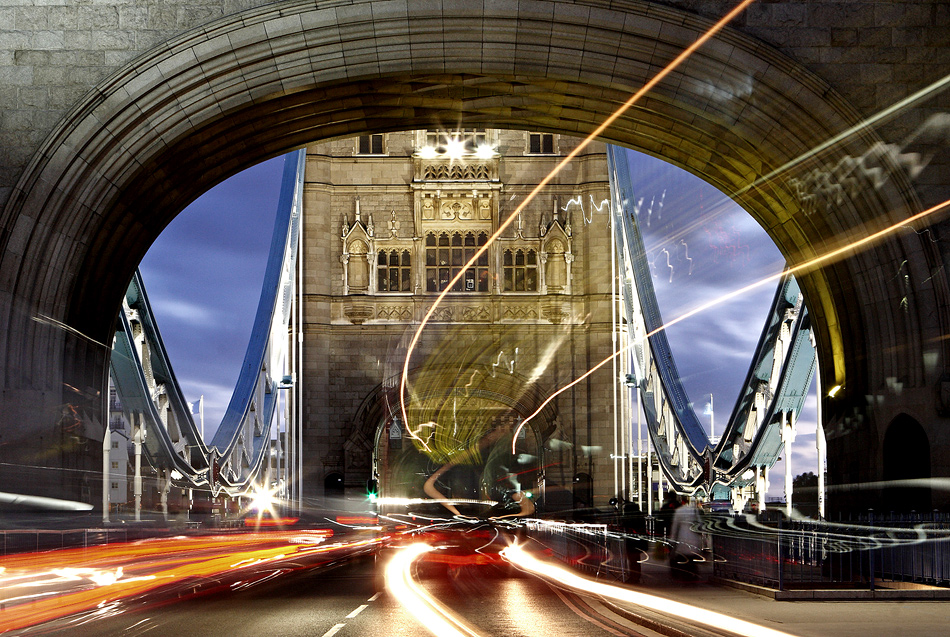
point(190, 314)
point(204, 277)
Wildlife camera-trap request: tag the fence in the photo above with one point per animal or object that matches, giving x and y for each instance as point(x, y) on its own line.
point(592, 548)
point(27, 541)
point(860, 552)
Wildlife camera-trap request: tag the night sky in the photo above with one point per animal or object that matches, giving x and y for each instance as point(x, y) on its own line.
point(204, 276)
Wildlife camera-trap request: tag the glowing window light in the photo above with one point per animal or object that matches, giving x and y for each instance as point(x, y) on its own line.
point(484, 151)
point(427, 152)
point(455, 148)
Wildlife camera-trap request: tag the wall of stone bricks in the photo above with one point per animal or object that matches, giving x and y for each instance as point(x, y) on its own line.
point(345, 363)
point(52, 52)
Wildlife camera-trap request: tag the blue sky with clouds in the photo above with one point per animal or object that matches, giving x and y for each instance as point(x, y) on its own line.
point(204, 276)
point(702, 245)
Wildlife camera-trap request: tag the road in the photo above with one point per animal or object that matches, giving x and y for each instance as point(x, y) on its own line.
point(341, 600)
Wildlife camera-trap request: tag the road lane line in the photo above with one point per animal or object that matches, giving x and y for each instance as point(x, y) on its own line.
point(375, 597)
point(333, 630)
point(357, 611)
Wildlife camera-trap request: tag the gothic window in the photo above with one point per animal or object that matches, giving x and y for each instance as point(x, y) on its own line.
point(447, 253)
point(520, 270)
point(358, 275)
point(540, 144)
point(394, 271)
point(555, 274)
point(370, 144)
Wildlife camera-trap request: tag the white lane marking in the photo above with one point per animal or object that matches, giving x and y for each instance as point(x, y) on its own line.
point(375, 597)
point(356, 612)
point(333, 630)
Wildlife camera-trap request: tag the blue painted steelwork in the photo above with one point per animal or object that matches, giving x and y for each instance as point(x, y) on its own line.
point(149, 391)
point(775, 386)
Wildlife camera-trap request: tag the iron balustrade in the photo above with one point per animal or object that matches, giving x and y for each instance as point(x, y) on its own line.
point(859, 552)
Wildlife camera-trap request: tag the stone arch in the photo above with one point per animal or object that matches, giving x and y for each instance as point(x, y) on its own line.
point(333, 485)
point(179, 119)
point(906, 456)
point(380, 408)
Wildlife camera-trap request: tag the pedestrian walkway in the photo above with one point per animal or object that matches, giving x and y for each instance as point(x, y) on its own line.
point(803, 618)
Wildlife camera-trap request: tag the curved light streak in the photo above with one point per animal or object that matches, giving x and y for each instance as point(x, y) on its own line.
point(436, 617)
point(679, 59)
point(80, 580)
point(806, 265)
point(522, 559)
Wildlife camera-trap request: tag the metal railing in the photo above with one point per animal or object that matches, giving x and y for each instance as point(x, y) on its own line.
point(861, 552)
point(592, 548)
point(36, 540)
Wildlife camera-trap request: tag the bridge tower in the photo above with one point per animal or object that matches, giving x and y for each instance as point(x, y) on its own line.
point(389, 220)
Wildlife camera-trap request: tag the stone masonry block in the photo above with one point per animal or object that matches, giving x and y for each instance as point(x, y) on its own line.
point(105, 39)
point(16, 75)
point(47, 40)
point(97, 17)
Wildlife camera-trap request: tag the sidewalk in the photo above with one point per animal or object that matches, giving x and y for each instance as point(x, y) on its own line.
point(804, 618)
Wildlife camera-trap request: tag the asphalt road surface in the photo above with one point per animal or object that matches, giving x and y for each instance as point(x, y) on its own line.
point(341, 600)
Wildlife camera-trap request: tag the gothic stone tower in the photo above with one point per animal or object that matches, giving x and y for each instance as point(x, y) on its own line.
point(390, 219)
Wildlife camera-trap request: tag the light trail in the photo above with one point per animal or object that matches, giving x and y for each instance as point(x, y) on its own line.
point(78, 580)
point(679, 59)
point(806, 265)
point(433, 615)
point(894, 109)
point(522, 559)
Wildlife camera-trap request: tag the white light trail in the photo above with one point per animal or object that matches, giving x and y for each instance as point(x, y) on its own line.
point(436, 617)
point(522, 559)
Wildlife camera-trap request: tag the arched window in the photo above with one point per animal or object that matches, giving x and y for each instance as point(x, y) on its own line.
point(447, 254)
point(521, 270)
point(394, 271)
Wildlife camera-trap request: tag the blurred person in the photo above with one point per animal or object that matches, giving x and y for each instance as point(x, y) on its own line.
point(632, 524)
point(663, 520)
point(687, 543)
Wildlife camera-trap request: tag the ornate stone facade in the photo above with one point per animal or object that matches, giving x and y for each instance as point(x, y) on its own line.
point(386, 233)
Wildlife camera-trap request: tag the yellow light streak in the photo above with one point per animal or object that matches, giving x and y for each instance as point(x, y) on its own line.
point(806, 265)
point(522, 559)
point(435, 616)
point(679, 59)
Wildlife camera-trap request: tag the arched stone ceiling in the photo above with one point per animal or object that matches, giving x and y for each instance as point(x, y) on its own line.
point(198, 109)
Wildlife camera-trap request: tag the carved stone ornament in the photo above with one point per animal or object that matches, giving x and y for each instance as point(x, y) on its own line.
point(394, 313)
point(358, 314)
point(428, 209)
point(554, 312)
point(456, 209)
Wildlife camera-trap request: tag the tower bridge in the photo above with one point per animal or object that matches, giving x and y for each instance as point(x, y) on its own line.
point(826, 122)
point(361, 289)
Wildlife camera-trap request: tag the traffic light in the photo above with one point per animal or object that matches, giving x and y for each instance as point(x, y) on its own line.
point(372, 489)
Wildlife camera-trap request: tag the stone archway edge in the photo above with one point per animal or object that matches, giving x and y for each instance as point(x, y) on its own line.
point(191, 112)
point(68, 194)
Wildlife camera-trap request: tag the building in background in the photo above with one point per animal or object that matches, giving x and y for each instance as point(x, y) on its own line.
point(119, 453)
point(389, 221)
